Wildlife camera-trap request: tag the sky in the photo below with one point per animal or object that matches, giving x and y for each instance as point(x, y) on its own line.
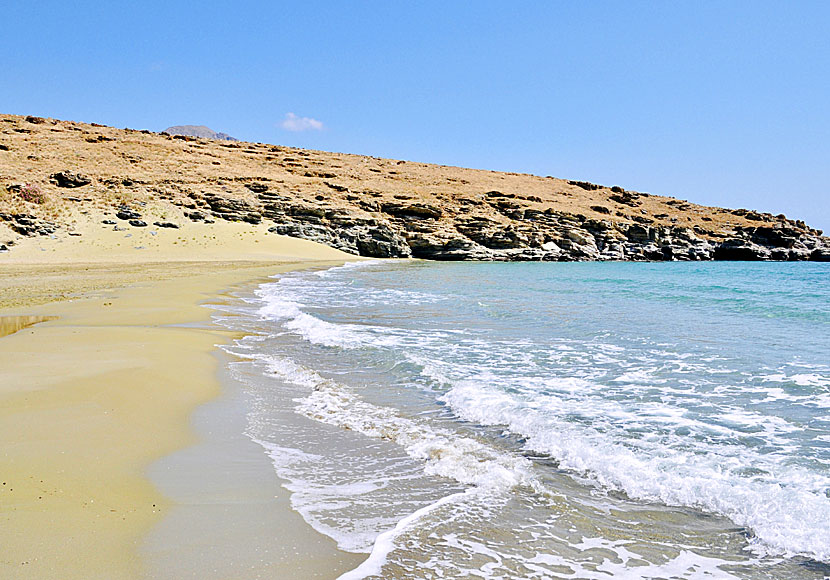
point(722, 103)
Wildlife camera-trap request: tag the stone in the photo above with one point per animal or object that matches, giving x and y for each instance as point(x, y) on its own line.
point(581, 237)
point(639, 233)
point(138, 223)
point(69, 179)
point(453, 248)
point(820, 255)
point(740, 250)
point(126, 214)
point(336, 186)
point(413, 210)
point(626, 198)
point(257, 187)
point(586, 185)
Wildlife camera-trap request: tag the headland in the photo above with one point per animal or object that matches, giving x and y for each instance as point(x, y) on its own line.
point(56, 174)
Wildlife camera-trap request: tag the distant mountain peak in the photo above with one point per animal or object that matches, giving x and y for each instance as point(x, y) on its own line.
point(198, 131)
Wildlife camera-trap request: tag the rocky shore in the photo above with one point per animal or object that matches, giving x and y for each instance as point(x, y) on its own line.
point(362, 205)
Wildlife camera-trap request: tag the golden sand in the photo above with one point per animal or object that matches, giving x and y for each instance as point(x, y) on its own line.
point(105, 385)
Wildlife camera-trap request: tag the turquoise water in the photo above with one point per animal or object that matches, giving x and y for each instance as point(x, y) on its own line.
point(565, 420)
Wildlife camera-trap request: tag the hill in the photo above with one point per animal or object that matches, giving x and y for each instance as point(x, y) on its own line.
point(198, 131)
point(54, 173)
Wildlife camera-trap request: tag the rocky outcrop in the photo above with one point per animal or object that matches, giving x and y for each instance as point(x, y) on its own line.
point(69, 179)
point(28, 225)
point(402, 230)
point(356, 235)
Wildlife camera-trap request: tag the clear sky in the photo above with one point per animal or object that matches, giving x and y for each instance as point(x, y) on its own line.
point(723, 103)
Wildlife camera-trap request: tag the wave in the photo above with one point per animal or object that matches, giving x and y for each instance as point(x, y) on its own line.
point(785, 506)
point(443, 452)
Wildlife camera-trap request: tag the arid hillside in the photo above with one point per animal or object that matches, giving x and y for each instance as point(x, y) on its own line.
point(54, 173)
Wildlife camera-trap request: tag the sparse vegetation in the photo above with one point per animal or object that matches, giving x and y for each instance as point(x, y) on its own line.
point(31, 193)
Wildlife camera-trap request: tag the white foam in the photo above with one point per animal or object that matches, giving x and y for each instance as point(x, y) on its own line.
point(281, 305)
point(787, 510)
point(441, 453)
point(385, 542)
point(596, 558)
point(348, 266)
point(444, 453)
point(319, 504)
point(800, 379)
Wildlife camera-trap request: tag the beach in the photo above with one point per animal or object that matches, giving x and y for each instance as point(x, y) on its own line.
point(220, 402)
point(415, 291)
point(107, 385)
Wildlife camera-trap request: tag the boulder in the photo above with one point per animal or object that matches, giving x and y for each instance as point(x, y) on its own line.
point(580, 237)
point(447, 248)
point(740, 250)
point(639, 233)
point(126, 214)
point(69, 179)
point(257, 187)
point(820, 255)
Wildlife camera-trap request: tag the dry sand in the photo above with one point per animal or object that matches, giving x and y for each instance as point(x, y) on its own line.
point(91, 398)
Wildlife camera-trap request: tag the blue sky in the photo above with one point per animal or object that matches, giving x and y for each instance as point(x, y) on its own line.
point(723, 103)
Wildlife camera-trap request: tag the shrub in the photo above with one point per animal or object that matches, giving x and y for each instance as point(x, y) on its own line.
point(31, 193)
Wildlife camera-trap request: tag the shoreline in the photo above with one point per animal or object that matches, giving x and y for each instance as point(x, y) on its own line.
point(232, 516)
point(92, 398)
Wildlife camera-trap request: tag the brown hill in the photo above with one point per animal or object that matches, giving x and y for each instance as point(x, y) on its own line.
point(51, 171)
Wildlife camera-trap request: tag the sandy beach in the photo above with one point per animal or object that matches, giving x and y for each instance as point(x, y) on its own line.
point(106, 386)
point(401, 291)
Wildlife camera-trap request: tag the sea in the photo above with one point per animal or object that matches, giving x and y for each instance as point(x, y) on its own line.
point(549, 420)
